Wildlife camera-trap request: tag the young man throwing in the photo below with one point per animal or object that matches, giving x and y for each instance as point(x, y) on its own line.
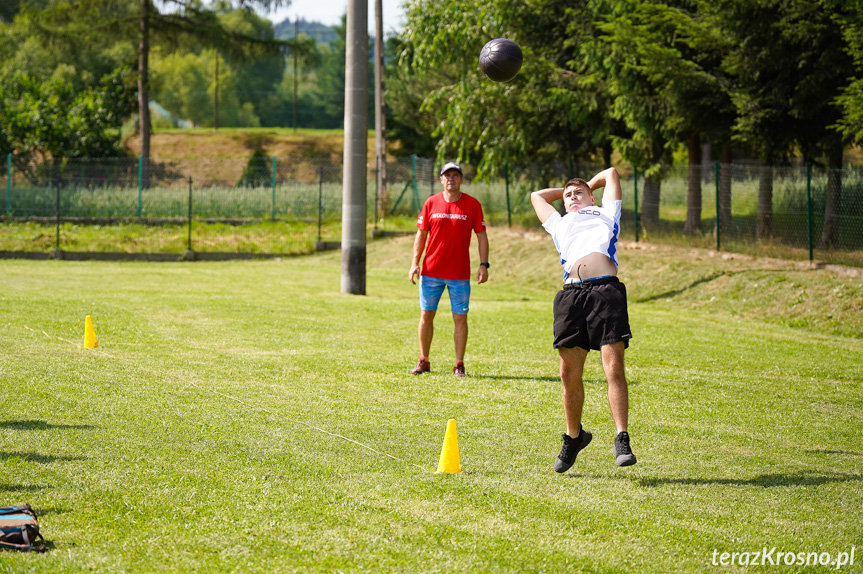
point(446, 221)
point(590, 311)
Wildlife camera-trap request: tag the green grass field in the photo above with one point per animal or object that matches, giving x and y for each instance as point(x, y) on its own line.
point(247, 417)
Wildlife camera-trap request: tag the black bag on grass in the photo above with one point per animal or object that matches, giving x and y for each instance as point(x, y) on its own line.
point(19, 529)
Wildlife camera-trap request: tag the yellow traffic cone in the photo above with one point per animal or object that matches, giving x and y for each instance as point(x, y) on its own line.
point(449, 460)
point(89, 333)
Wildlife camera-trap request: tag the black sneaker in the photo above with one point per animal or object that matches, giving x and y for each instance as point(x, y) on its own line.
point(571, 448)
point(458, 370)
point(423, 366)
point(621, 451)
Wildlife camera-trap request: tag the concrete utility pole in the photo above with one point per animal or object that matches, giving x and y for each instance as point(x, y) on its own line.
point(356, 134)
point(144, 91)
point(380, 113)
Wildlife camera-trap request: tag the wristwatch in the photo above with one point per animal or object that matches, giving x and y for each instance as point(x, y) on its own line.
point(485, 264)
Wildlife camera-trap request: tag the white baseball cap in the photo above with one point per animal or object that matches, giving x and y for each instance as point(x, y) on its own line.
point(451, 165)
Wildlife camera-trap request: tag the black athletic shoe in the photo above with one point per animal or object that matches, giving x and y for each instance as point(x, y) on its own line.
point(570, 450)
point(458, 370)
point(423, 366)
point(621, 451)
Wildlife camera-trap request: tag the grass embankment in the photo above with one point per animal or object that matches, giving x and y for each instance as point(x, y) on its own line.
point(207, 432)
point(234, 143)
point(265, 237)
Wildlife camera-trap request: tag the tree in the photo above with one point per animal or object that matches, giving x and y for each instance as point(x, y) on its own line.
point(539, 116)
point(8, 9)
point(187, 85)
point(259, 72)
point(406, 91)
point(257, 172)
point(183, 84)
point(787, 64)
point(170, 23)
point(304, 53)
point(833, 34)
point(50, 120)
point(576, 106)
point(848, 14)
point(662, 61)
point(81, 60)
point(330, 78)
point(635, 100)
point(209, 88)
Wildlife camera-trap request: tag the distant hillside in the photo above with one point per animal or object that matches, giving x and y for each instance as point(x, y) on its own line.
point(286, 30)
point(229, 143)
point(221, 155)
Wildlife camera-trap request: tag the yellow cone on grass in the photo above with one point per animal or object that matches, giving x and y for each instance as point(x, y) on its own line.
point(449, 460)
point(89, 333)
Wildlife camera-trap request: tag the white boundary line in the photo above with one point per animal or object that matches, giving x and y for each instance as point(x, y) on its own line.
point(319, 429)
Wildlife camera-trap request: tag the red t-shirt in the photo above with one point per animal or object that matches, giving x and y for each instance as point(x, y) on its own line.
point(449, 226)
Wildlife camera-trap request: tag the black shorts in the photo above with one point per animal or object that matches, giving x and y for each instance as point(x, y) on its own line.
point(591, 314)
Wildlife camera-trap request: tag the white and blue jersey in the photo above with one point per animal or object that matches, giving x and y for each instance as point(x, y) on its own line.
point(589, 230)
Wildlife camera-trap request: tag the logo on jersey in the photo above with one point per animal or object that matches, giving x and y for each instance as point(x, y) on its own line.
point(420, 220)
point(449, 216)
point(589, 211)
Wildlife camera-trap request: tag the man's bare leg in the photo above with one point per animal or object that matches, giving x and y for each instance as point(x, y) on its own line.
point(571, 372)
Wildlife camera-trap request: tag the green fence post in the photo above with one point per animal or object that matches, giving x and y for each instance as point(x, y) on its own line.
point(414, 182)
point(57, 183)
point(140, 184)
point(809, 207)
point(716, 177)
point(635, 179)
point(320, 199)
point(9, 185)
point(398, 200)
point(273, 210)
point(508, 209)
point(189, 243)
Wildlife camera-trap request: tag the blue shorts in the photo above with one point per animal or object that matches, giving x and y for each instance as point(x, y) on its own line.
point(431, 289)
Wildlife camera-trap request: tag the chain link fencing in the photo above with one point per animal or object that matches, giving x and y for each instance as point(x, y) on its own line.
point(286, 205)
point(797, 212)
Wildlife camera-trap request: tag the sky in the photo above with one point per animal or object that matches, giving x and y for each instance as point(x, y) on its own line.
point(330, 12)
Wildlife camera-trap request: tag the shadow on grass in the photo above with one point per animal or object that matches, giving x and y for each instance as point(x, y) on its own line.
point(825, 451)
point(39, 425)
point(38, 548)
point(708, 279)
point(21, 487)
point(36, 457)
point(602, 382)
point(508, 378)
point(43, 511)
point(762, 480)
point(670, 294)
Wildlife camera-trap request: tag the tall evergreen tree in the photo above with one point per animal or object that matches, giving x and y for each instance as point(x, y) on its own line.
point(174, 23)
point(663, 65)
point(849, 15)
point(787, 65)
point(540, 116)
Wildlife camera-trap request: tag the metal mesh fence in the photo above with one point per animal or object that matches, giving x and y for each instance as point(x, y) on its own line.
point(791, 212)
point(289, 204)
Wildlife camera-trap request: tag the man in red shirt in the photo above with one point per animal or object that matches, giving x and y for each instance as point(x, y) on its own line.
point(446, 221)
